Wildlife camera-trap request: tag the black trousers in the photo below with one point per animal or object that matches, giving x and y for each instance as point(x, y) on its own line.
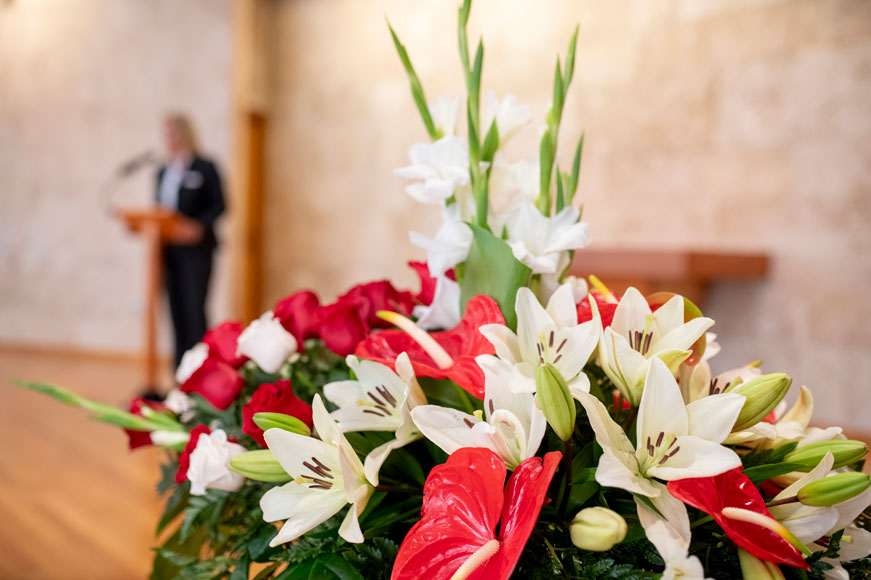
point(187, 272)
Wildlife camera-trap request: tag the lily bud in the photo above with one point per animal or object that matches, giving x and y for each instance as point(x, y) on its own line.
point(752, 568)
point(259, 465)
point(761, 396)
point(597, 529)
point(846, 451)
point(266, 420)
point(555, 400)
point(834, 489)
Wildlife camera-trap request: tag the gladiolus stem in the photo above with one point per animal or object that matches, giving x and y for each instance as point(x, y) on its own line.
point(438, 354)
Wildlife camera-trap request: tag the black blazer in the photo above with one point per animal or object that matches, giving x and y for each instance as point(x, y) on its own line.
point(200, 196)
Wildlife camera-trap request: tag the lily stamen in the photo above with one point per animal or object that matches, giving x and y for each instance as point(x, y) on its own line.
point(480, 556)
point(438, 354)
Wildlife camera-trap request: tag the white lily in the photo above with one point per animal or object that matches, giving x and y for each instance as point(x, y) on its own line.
point(449, 246)
point(512, 425)
point(807, 523)
point(671, 541)
point(327, 475)
point(542, 242)
point(637, 336)
point(267, 343)
point(855, 543)
point(544, 335)
point(444, 114)
point(509, 116)
point(696, 382)
point(675, 441)
point(438, 168)
point(379, 400)
point(444, 312)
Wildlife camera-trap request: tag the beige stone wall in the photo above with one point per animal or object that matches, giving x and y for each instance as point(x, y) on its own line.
point(710, 123)
point(83, 86)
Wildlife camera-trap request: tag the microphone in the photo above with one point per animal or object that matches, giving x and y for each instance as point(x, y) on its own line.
point(136, 163)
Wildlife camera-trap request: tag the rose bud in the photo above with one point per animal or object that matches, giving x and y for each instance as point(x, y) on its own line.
point(555, 400)
point(597, 529)
point(761, 395)
point(846, 451)
point(259, 465)
point(834, 489)
point(267, 343)
point(266, 420)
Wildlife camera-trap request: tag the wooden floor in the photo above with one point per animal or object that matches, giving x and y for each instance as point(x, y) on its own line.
point(74, 502)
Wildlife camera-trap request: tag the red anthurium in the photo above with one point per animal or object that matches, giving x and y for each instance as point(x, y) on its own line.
point(136, 439)
point(216, 381)
point(274, 398)
point(300, 314)
point(733, 489)
point(184, 460)
point(222, 341)
point(463, 501)
point(463, 343)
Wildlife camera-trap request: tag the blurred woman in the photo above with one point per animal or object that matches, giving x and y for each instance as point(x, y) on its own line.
point(190, 185)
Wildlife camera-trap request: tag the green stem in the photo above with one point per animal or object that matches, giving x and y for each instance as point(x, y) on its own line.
point(701, 521)
point(464, 397)
point(567, 485)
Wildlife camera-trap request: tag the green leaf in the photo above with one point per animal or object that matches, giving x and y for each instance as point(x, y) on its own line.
point(576, 168)
point(240, 570)
point(258, 545)
point(327, 566)
point(560, 198)
point(546, 157)
point(570, 59)
point(491, 143)
point(760, 473)
point(492, 269)
point(416, 87)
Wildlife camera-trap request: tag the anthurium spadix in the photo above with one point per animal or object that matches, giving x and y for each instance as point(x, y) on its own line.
point(511, 425)
point(379, 400)
point(637, 335)
point(327, 476)
point(675, 441)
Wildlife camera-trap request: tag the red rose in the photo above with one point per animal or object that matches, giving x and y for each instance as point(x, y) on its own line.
point(222, 341)
point(371, 297)
point(215, 381)
point(341, 328)
point(136, 439)
point(184, 460)
point(274, 398)
point(300, 313)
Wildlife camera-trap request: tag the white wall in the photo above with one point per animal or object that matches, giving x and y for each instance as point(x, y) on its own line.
point(83, 86)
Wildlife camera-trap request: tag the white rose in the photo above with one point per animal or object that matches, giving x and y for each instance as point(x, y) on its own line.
point(191, 360)
point(267, 343)
point(210, 464)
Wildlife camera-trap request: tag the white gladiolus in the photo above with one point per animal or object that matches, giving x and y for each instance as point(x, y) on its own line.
point(267, 343)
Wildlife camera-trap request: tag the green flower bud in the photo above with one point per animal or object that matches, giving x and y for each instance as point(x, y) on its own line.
point(752, 568)
point(834, 489)
point(259, 465)
point(597, 529)
point(762, 395)
point(555, 400)
point(846, 451)
point(266, 421)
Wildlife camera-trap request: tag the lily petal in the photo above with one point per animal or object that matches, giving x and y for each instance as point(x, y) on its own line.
point(713, 417)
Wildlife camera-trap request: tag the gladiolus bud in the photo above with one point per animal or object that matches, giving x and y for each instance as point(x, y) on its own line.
point(834, 489)
point(266, 420)
point(259, 465)
point(752, 568)
point(555, 400)
point(846, 451)
point(597, 529)
point(761, 395)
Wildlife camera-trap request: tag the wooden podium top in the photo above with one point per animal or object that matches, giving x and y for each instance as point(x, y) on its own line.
point(138, 219)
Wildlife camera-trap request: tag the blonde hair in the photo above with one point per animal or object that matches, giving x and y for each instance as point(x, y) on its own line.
point(184, 129)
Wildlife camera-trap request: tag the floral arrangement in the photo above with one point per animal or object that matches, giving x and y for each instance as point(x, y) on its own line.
point(504, 421)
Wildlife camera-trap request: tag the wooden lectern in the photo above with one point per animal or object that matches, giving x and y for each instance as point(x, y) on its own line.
point(156, 225)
